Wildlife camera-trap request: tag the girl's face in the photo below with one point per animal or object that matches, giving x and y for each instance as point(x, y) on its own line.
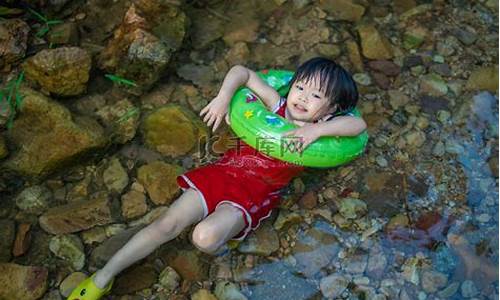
point(305, 101)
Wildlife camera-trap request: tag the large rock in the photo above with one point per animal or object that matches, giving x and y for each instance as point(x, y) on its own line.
point(172, 130)
point(62, 71)
point(159, 179)
point(373, 44)
point(7, 234)
point(121, 118)
point(22, 282)
point(13, 38)
point(188, 264)
point(142, 45)
point(77, 216)
point(343, 10)
point(263, 241)
point(485, 78)
point(56, 141)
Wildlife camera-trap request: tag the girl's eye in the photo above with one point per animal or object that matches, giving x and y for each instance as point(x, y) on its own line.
point(299, 87)
point(316, 96)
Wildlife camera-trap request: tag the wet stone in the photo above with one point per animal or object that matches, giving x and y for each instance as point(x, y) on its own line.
point(22, 282)
point(343, 10)
point(115, 176)
point(355, 264)
point(169, 279)
point(69, 248)
point(23, 239)
point(203, 294)
point(13, 40)
point(386, 67)
point(262, 241)
point(135, 279)
point(34, 199)
point(441, 69)
point(332, 286)
point(159, 180)
point(449, 291)
point(381, 80)
point(469, 289)
point(134, 204)
point(7, 235)
point(352, 208)
point(466, 37)
point(433, 281)
point(101, 254)
point(373, 43)
point(225, 290)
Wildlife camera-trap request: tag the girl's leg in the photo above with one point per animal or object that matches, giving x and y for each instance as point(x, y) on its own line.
point(216, 229)
point(186, 210)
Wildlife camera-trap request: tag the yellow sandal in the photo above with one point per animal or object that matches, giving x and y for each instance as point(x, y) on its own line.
point(87, 290)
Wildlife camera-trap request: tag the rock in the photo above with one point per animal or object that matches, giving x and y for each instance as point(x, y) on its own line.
point(23, 239)
point(173, 131)
point(374, 45)
point(169, 279)
point(343, 10)
point(101, 254)
point(415, 139)
point(242, 28)
point(333, 286)
point(71, 282)
point(58, 139)
point(203, 294)
point(285, 219)
point(381, 80)
point(3, 148)
point(417, 10)
point(134, 279)
point(315, 248)
point(115, 176)
point(449, 290)
point(205, 27)
point(263, 241)
point(468, 289)
point(238, 54)
point(69, 248)
point(121, 119)
point(448, 46)
point(433, 281)
point(397, 99)
point(377, 263)
point(352, 208)
point(7, 235)
point(438, 149)
point(381, 161)
point(441, 69)
point(34, 199)
point(160, 181)
point(401, 6)
point(386, 67)
point(362, 79)
point(22, 282)
point(134, 204)
point(414, 37)
point(64, 34)
point(355, 264)
point(433, 85)
point(225, 290)
point(62, 71)
point(13, 41)
point(188, 264)
point(77, 216)
point(484, 78)
point(466, 37)
point(309, 200)
point(200, 75)
point(354, 55)
point(142, 45)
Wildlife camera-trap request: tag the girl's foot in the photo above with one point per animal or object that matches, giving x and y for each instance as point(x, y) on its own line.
point(87, 290)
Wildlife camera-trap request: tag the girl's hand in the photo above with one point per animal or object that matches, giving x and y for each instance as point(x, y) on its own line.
point(307, 134)
point(215, 111)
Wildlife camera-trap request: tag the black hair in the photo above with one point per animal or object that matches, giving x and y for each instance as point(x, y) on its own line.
point(334, 81)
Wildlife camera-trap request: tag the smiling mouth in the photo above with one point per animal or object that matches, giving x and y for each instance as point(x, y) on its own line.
point(300, 108)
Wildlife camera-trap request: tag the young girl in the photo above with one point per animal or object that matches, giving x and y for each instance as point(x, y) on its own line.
point(233, 195)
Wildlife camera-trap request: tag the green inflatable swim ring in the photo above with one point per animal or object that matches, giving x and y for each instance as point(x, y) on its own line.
point(252, 121)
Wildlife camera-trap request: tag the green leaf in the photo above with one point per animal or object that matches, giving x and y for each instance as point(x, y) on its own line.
point(53, 22)
point(128, 114)
point(42, 32)
point(39, 16)
point(120, 80)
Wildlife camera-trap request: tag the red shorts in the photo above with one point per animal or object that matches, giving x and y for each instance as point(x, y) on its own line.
point(216, 186)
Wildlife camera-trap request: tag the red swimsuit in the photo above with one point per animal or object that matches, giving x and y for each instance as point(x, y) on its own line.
point(248, 180)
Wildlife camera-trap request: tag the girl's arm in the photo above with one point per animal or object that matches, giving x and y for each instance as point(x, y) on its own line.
point(339, 126)
point(236, 77)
